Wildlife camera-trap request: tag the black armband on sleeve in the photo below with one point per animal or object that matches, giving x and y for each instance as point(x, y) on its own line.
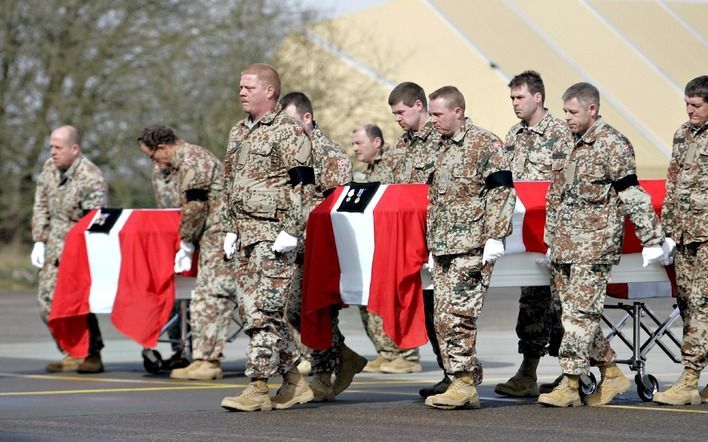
point(500, 178)
point(197, 195)
point(626, 182)
point(301, 174)
point(328, 192)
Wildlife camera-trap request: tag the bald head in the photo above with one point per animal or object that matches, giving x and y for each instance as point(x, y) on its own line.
point(64, 146)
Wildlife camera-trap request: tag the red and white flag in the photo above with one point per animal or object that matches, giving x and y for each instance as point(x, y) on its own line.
point(126, 271)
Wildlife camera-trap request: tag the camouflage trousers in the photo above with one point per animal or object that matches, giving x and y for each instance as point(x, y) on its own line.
point(580, 289)
point(213, 301)
point(459, 284)
point(538, 325)
point(322, 361)
point(45, 295)
point(692, 280)
point(385, 347)
point(263, 278)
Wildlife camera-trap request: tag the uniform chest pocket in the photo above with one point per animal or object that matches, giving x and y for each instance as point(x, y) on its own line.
point(593, 185)
point(541, 160)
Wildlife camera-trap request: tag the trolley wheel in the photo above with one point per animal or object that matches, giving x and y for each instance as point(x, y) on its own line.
point(588, 384)
point(647, 386)
point(152, 361)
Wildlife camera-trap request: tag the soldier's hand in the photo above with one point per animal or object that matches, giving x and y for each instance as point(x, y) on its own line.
point(669, 249)
point(493, 250)
point(284, 243)
point(651, 254)
point(546, 260)
point(430, 264)
point(183, 258)
point(37, 256)
point(230, 245)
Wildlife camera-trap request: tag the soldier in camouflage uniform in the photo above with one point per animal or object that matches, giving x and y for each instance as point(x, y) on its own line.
point(471, 202)
point(332, 168)
point(268, 182)
point(67, 188)
point(369, 147)
point(197, 175)
point(593, 186)
point(685, 220)
point(413, 163)
point(530, 144)
point(167, 197)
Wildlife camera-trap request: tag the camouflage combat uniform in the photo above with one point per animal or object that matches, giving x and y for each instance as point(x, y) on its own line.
point(593, 187)
point(165, 188)
point(685, 219)
point(198, 177)
point(259, 203)
point(381, 169)
point(466, 208)
point(61, 199)
point(530, 148)
point(332, 168)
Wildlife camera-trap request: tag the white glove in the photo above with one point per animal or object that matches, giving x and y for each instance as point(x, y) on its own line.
point(37, 256)
point(651, 254)
point(546, 260)
point(493, 250)
point(430, 264)
point(669, 248)
point(230, 245)
point(183, 258)
point(284, 243)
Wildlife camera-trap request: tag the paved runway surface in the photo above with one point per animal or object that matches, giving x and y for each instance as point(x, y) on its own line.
point(126, 403)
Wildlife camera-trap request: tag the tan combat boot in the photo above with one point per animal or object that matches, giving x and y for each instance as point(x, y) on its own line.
point(350, 363)
point(321, 386)
point(548, 387)
point(704, 395)
point(401, 366)
point(69, 363)
point(253, 398)
point(683, 392)
point(523, 383)
point(375, 365)
point(183, 373)
point(206, 371)
point(566, 394)
point(293, 391)
point(613, 382)
point(92, 364)
point(461, 393)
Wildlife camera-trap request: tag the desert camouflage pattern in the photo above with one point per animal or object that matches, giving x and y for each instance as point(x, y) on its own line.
point(580, 289)
point(264, 278)
point(413, 157)
point(584, 230)
point(373, 325)
point(213, 300)
point(462, 212)
point(685, 219)
point(381, 168)
point(530, 150)
point(259, 201)
point(332, 165)
point(584, 213)
point(460, 282)
point(163, 184)
point(462, 215)
point(60, 200)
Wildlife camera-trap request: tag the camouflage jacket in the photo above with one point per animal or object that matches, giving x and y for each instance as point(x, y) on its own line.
point(198, 178)
point(380, 169)
point(332, 165)
point(60, 200)
point(259, 200)
point(530, 148)
point(685, 211)
point(165, 188)
point(462, 212)
point(414, 155)
point(584, 211)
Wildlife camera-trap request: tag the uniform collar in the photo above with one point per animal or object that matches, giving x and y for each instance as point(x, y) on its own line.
point(591, 134)
point(459, 136)
point(179, 154)
point(540, 127)
point(422, 134)
point(267, 118)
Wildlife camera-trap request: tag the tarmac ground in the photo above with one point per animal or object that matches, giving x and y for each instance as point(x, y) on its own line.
point(127, 403)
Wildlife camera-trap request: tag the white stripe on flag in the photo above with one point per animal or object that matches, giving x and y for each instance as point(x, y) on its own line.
point(515, 241)
point(104, 264)
point(354, 237)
